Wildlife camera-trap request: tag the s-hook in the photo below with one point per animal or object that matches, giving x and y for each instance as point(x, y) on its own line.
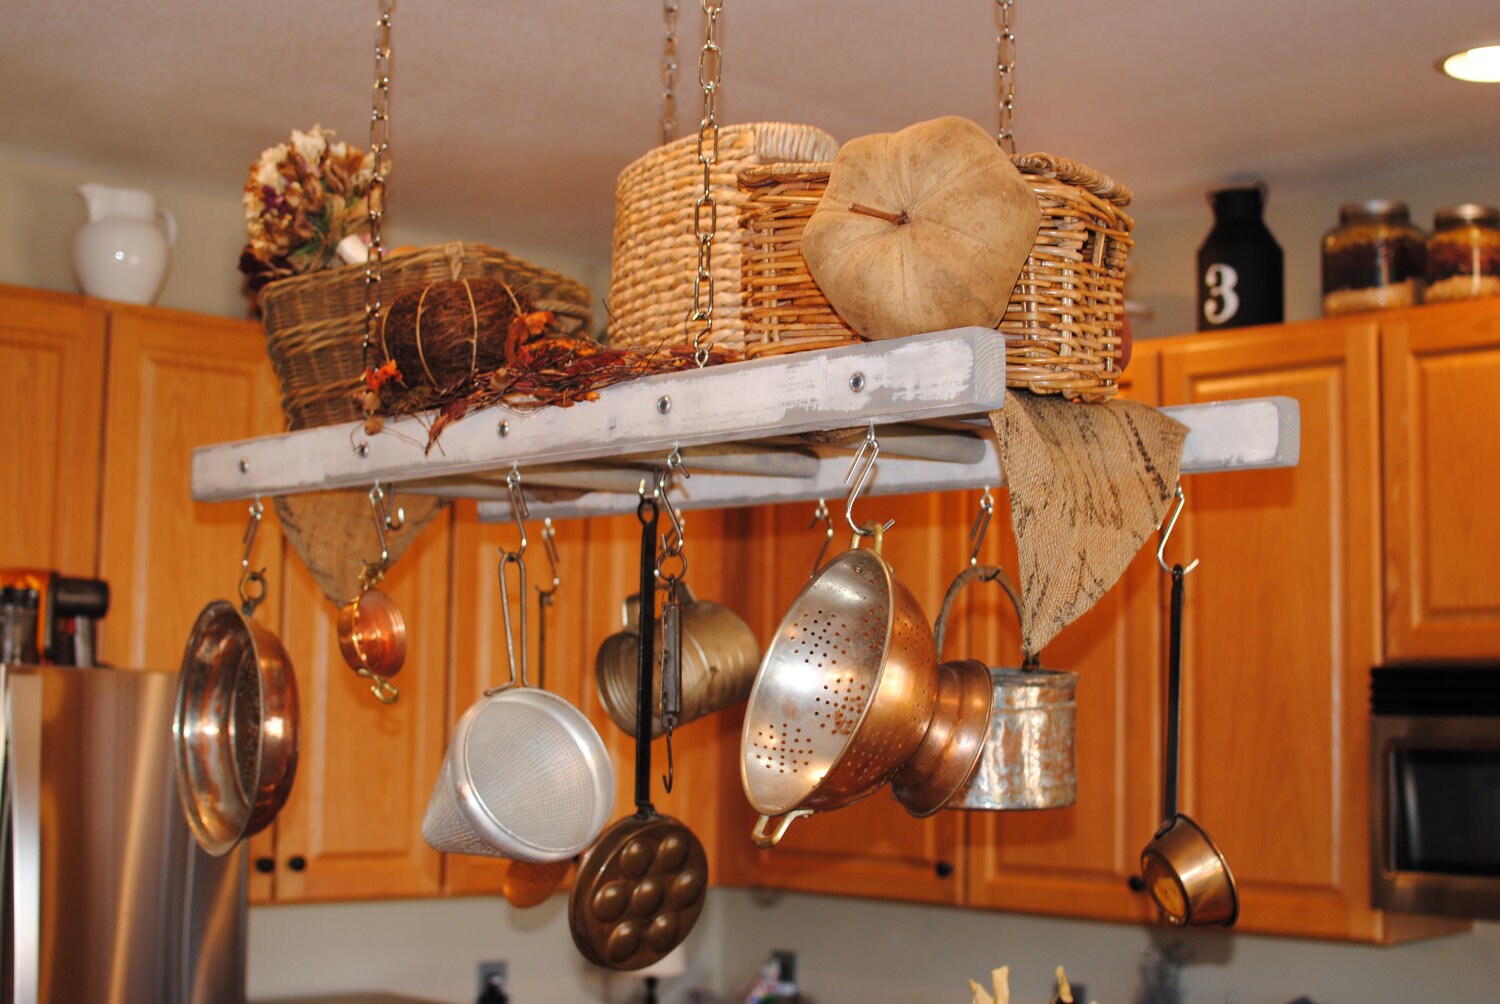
point(544, 599)
point(384, 521)
point(981, 524)
point(1161, 548)
point(867, 453)
point(250, 597)
point(821, 515)
point(517, 557)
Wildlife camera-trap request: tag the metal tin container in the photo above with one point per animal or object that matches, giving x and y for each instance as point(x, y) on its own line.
point(1027, 761)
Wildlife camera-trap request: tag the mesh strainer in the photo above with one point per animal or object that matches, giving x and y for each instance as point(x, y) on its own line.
point(526, 775)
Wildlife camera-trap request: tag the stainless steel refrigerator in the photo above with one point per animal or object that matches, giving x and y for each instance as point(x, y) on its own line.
point(107, 897)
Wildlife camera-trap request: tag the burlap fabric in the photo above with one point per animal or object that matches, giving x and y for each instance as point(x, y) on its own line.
point(334, 533)
point(1088, 484)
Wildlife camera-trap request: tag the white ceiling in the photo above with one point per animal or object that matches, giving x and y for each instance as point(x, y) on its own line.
point(512, 120)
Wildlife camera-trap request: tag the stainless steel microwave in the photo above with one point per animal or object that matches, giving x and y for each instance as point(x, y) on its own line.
point(1435, 788)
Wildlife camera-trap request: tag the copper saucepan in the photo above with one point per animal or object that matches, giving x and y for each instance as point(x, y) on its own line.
point(372, 632)
point(1184, 870)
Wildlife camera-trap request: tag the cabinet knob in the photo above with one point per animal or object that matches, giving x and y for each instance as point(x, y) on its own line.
point(943, 868)
point(265, 865)
point(296, 863)
point(1136, 883)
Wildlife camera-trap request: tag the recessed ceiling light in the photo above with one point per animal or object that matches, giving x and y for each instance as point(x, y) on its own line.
point(1480, 65)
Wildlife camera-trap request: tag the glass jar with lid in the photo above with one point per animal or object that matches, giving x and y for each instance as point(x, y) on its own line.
point(1374, 258)
point(1463, 253)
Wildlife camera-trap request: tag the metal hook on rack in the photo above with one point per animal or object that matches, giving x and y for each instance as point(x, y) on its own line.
point(250, 599)
point(673, 540)
point(1166, 534)
point(384, 521)
point(517, 557)
point(981, 524)
point(517, 507)
point(822, 515)
point(549, 544)
point(868, 451)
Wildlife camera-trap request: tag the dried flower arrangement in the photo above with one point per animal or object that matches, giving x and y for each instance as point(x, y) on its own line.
point(301, 198)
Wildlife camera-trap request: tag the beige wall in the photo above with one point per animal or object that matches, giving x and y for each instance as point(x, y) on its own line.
point(1163, 262)
point(40, 210)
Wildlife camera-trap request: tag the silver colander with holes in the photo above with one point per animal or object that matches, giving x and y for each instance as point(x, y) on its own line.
point(843, 697)
point(526, 777)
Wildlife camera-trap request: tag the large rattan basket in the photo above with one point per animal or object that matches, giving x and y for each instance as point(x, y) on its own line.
point(655, 254)
point(315, 322)
point(1062, 326)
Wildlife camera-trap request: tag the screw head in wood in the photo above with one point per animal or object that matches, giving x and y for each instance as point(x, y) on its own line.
point(663, 404)
point(857, 382)
point(503, 429)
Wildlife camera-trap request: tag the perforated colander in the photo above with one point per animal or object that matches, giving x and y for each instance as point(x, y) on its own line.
point(844, 695)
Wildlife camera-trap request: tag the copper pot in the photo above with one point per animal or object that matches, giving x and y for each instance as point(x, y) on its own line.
point(953, 743)
point(372, 639)
point(235, 728)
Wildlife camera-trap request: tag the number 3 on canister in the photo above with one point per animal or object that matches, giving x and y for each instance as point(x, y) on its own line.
point(1222, 302)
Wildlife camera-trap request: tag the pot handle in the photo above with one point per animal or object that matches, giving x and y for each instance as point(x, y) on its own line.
point(763, 839)
point(984, 573)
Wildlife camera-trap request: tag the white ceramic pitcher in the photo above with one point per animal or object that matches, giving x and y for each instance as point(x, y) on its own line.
point(121, 253)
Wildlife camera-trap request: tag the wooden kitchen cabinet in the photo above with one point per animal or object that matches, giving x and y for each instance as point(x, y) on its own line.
point(52, 350)
point(1281, 626)
point(1441, 402)
point(176, 381)
point(1078, 861)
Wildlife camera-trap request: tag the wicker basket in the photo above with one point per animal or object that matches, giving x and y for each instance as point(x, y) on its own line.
point(655, 255)
point(315, 322)
point(1062, 326)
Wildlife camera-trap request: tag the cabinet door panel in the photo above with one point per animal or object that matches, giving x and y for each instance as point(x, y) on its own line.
point(176, 381)
point(1077, 861)
point(1442, 401)
point(873, 848)
point(366, 769)
point(52, 355)
point(1281, 628)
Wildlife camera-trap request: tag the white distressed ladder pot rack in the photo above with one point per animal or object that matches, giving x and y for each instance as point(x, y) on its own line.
point(927, 396)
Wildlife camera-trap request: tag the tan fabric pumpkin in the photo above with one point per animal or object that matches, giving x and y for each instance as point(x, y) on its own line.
point(921, 230)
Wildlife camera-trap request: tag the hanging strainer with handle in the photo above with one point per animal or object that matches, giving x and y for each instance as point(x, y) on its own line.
point(526, 775)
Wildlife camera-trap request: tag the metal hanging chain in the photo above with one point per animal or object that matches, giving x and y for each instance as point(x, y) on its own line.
point(710, 74)
point(380, 152)
point(1005, 75)
point(669, 69)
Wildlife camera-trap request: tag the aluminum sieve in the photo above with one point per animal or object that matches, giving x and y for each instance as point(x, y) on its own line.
point(526, 775)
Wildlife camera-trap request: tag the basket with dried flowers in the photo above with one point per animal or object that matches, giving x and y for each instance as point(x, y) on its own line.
point(301, 199)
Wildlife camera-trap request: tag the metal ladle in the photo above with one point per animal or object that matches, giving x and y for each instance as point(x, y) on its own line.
point(1184, 871)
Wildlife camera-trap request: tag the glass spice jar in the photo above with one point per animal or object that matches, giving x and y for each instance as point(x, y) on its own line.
point(1463, 253)
point(1373, 259)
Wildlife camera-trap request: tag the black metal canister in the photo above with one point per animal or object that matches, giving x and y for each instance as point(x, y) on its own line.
point(1239, 264)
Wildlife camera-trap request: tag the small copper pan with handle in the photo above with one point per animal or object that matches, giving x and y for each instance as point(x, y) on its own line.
point(372, 632)
point(1185, 872)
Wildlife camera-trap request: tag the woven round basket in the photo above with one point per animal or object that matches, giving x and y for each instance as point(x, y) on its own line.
point(655, 253)
point(1062, 326)
point(315, 323)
